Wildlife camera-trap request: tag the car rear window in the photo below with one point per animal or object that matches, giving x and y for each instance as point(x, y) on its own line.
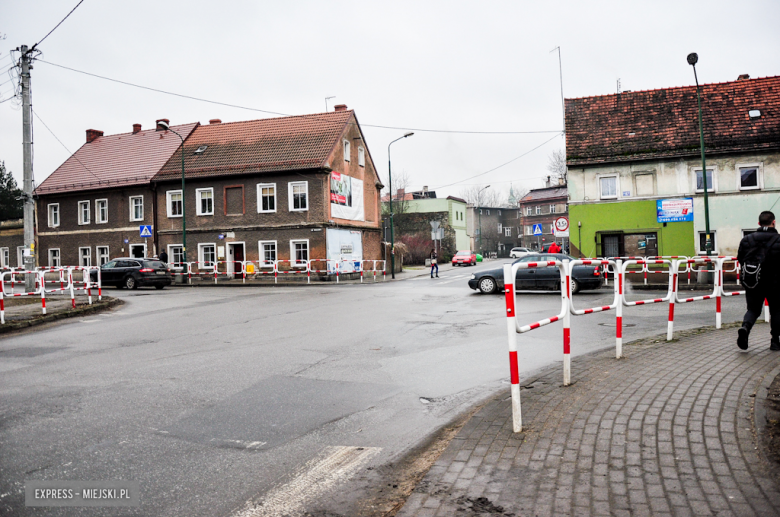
point(154, 264)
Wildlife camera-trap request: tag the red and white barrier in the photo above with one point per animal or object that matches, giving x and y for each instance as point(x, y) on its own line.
point(616, 302)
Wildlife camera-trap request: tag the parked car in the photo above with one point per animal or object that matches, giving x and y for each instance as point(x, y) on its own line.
point(464, 258)
point(519, 252)
point(133, 273)
point(546, 278)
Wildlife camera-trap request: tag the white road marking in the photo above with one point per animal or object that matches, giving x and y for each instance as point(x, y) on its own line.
point(239, 443)
point(331, 467)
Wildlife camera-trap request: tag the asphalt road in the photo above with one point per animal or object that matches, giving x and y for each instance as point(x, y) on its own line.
point(218, 398)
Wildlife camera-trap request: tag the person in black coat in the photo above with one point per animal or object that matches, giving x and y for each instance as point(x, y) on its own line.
point(164, 257)
point(764, 239)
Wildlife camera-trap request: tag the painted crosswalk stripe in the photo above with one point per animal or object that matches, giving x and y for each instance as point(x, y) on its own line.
point(332, 466)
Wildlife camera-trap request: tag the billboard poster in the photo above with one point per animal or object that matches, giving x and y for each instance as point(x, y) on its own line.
point(344, 247)
point(346, 197)
point(674, 210)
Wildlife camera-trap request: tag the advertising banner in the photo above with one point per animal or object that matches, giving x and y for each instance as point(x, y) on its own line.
point(346, 197)
point(674, 210)
point(346, 247)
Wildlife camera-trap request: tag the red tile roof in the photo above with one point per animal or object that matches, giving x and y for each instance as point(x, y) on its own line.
point(257, 146)
point(540, 194)
point(664, 123)
point(115, 160)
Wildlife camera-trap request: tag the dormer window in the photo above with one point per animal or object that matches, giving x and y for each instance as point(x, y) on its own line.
point(754, 114)
point(201, 149)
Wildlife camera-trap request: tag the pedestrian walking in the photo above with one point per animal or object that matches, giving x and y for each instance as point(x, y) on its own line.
point(164, 257)
point(554, 248)
point(434, 264)
point(759, 256)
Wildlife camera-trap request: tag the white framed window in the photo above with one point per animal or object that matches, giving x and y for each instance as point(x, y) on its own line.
point(101, 211)
point(20, 256)
point(299, 252)
point(529, 229)
point(102, 255)
point(346, 151)
point(699, 180)
point(176, 256)
point(528, 210)
point(85, 257)
point(4, 257)
point(266, 197)
point(54, 257)
point(500, 228)
point(538, 210)
point(361, 157)
point(207, 255)
point(174, 203)
point(645, 184)
point(552, 209)
point(267, 253)
point(205, 197)
point(702, 242)
point(136, 208)
point(608, 187)
point(83, 212)
point(507, 231)
point(54, 215)
point(299, 196)
point(749, 176)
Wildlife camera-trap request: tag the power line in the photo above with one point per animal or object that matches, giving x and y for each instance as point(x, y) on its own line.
point(503, 164)
point(63, 145)
point(55, 27)
point(218, 103)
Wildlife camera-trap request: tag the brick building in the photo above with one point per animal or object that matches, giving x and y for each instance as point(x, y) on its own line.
point(543, 206)
point(92, 206)
point(11, 243)
point(290, 188)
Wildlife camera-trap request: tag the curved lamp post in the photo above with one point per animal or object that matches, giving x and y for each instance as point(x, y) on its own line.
point(390, 179)
point(693, 58)
point(166, 127)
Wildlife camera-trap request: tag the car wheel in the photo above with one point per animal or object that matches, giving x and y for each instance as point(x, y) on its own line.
point(159, 287)
point(575, 286)
point(130, 283)
point(487, 285)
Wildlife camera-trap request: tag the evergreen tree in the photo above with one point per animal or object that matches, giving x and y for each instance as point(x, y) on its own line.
point(11, 204)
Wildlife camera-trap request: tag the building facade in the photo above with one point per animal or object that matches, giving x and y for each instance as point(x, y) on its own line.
point(540, 209)
point(632, 154)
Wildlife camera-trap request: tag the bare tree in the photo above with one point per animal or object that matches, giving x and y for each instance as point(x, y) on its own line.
point(556, 164)
point(478, 195)
point(400, 205)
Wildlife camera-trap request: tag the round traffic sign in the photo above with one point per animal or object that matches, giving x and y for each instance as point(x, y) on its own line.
point(562, 224)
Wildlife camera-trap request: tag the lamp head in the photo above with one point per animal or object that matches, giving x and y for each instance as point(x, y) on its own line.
point(163, 125)
point(408, 134)
point(693, 58)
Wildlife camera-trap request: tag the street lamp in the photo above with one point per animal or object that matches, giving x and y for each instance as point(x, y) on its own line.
point(479, 202)
point(579, 230)
point(693, 58)
point(166, 127)
point(390, 179)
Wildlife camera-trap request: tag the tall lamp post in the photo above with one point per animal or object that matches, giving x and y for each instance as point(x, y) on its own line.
point(693, 58)
point(390, 179)
point(579, 230)
point(479, 203)
point(166, 127)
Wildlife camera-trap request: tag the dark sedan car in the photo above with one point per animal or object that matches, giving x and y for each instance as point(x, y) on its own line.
point(133, 273)
point(547, 278)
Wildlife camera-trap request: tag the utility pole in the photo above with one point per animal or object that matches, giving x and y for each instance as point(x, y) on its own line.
point(29, 207)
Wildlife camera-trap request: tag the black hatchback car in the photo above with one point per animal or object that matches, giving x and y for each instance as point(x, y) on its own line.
point(547, 278)
point(133, 273)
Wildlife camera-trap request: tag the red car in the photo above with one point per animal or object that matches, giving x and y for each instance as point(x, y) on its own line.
point(464, 258)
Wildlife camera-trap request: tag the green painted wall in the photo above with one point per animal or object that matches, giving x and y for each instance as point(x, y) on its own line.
point(628, 217)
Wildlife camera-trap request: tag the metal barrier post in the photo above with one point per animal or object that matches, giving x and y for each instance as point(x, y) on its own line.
point(673, 289)
point(100, 285)
point(2, 303)
point(719, 277)
point(72, 291)
point(619, 310)
point(566, 296)
point(767, 317)
point(514, 375)
point(43, 292)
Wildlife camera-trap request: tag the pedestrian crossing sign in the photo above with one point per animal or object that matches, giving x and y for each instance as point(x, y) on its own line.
point(146, 230)
point(537, 229)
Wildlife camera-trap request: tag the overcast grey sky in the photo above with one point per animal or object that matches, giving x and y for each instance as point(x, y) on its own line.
point(444, 65)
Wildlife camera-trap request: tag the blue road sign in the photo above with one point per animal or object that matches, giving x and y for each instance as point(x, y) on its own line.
point(537, 229)
point(146, 230)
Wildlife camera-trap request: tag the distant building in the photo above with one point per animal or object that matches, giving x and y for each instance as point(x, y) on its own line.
point(540, 208)
point(12, 243)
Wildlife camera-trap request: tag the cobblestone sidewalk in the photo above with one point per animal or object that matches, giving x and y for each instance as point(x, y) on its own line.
point(669, 430)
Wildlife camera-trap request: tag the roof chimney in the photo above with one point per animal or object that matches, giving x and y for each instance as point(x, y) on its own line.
point(136, 128)
point(743, 77)
point(561, 181)
point(215, 121)
point(400, 194)
point(547, 183)
point(340, 107)
point(157, 123)
point(92, 134)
